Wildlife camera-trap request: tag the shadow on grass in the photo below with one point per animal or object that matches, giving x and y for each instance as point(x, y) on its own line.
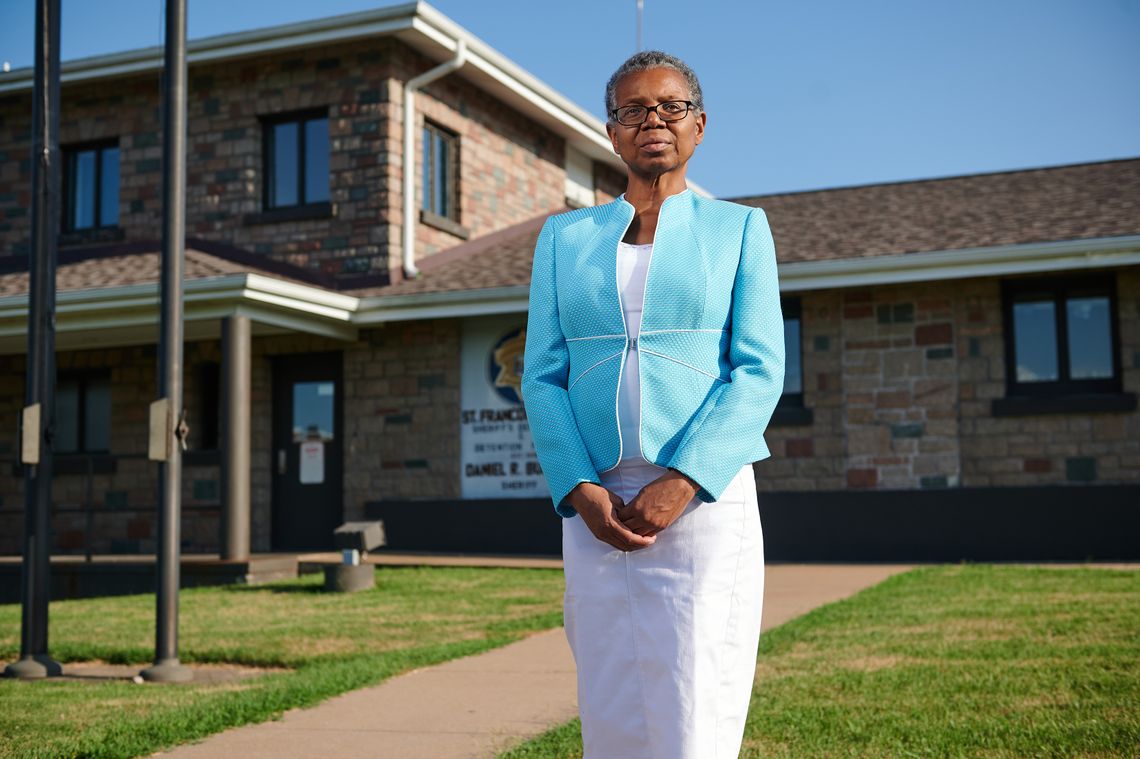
point(276, 588)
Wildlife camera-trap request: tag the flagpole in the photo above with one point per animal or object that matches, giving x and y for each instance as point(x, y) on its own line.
point(37, 417)
point(167, 410)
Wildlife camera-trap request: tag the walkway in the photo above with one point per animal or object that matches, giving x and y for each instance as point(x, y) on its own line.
point(480, 705)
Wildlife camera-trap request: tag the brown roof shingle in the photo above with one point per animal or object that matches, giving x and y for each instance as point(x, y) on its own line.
point(119, 270)
point(499, 259)
point(121, 264)
point(1006, 208)
point(1072, 202)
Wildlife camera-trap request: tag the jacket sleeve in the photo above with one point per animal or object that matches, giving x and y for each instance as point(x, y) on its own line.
point(546, 365)
point(728, 430)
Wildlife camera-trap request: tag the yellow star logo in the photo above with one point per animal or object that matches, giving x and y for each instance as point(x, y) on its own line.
point(509, 358)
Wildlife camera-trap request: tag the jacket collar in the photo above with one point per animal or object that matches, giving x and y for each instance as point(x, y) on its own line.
point(673, 226)
point(685, 193)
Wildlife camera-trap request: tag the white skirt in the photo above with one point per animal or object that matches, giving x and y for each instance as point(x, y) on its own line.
point(664, 638)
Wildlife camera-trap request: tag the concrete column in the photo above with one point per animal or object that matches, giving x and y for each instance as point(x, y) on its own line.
point(235, 437)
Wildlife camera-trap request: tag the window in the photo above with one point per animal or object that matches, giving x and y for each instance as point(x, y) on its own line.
point(790, 408)
point(296, 160)
point(83, 413)
point(91, 186)
point(440, 159)
point(1061, 342)
point(1061, 336)
point(793, 373)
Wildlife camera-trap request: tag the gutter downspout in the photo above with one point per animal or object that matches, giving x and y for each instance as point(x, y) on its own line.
point(410, 87)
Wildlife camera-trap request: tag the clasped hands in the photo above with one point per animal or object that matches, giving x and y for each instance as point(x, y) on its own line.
point(633, 525)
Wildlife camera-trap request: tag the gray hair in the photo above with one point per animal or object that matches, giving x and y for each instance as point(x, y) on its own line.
point(652, 59)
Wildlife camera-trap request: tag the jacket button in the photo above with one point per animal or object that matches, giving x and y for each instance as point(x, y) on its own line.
point(633, 344)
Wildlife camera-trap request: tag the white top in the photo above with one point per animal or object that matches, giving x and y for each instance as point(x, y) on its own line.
point(633, 264)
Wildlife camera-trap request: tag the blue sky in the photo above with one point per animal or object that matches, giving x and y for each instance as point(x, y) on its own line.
point(801, 94)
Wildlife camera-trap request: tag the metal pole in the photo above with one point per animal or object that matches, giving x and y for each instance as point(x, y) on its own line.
point(36, 572)
point(640, 9)
point(235, 437)
point(166, 666)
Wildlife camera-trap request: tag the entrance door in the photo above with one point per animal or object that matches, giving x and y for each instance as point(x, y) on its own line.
point(307, 451)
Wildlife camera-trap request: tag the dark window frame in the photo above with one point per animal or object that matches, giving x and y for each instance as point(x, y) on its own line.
point(82, 378)
point(1058, 289)
point(67, 202)
point(790, 308)
point(268, 122)
point(790, 409)
point(427, 202)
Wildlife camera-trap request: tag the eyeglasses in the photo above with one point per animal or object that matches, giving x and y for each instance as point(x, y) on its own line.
point(635, 115)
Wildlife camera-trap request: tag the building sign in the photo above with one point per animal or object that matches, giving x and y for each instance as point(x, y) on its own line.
point(312, 463)
point(497, 456)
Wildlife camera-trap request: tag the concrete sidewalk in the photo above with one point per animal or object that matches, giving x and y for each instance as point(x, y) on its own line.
point(480, 705)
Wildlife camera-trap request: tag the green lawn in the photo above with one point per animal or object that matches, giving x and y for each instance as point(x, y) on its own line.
point(329, 643)
point(963, 660)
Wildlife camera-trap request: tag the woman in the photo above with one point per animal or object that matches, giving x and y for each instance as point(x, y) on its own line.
point(654, 359)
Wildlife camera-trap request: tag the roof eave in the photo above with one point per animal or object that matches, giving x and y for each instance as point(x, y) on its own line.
point(224, 46)
point(272, 302)
point(443, 304)
point(989, 261)
point(296, 307)
point(417, 24)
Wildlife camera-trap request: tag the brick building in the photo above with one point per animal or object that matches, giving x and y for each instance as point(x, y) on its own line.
point(964, 353)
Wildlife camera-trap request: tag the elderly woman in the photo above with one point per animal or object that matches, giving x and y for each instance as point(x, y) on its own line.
point(654, 360)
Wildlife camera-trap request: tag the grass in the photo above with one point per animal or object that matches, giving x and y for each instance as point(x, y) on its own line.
point(947, 661)
point(327, 643)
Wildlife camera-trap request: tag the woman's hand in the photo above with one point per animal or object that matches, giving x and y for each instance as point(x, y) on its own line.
point(598, 508)
point(658, 504)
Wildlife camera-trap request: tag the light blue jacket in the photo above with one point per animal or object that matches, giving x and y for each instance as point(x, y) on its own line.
point(710, 347)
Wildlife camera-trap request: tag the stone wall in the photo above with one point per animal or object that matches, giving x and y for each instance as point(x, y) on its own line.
point(900, 380)
point(811, 457)
point(400, 428)
point(900, 387)
point(123, 501)
point(1042, 449)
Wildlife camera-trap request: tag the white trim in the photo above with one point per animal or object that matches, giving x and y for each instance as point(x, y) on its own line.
point(285, 305)
point(594, 337)
point(444, 304)
point(594, 366)
point(344, 305)
point(937, 265)
point(682, 363)
point(339, 28)
point(408, 167)
point(662, 331)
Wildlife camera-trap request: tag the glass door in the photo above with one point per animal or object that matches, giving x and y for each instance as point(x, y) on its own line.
point(307, 451)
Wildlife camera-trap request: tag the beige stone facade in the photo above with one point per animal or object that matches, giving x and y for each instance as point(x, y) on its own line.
point(901, 378)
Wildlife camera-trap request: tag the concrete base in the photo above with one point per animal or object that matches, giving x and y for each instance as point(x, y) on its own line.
point(167, 671)
point(348, 578)
point(35, 667)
